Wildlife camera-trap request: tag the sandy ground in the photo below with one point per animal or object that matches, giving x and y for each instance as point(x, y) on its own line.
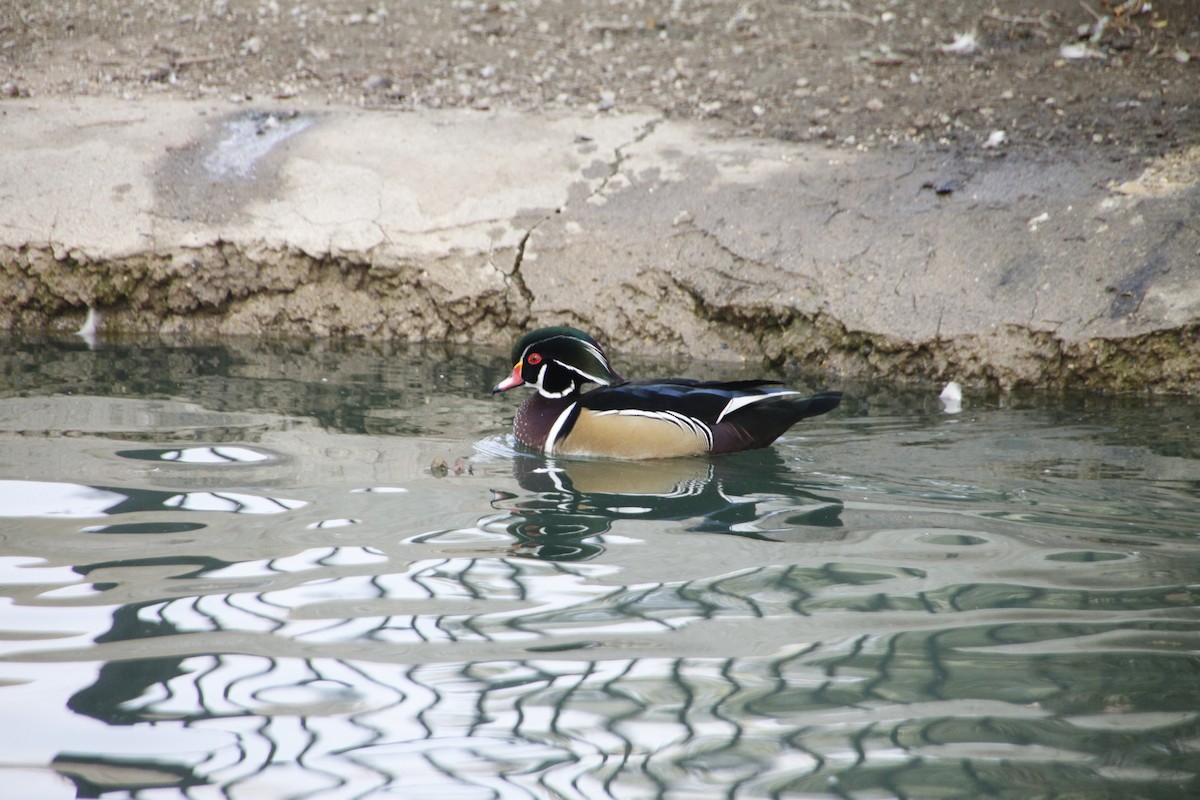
point(1119, 79)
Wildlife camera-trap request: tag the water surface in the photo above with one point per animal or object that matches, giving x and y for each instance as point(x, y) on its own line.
point(301, 570)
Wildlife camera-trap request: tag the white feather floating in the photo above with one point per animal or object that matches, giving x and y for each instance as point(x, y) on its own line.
point(951, 398)
point(87, 331)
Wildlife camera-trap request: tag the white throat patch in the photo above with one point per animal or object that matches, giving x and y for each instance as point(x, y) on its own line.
point(544, 392)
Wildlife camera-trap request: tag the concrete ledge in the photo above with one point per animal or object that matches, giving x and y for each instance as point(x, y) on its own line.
point(214, 218)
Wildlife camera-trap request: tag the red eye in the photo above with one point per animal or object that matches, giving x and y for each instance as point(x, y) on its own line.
point(533, 359)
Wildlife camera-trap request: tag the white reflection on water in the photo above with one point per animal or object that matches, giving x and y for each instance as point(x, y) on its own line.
point(51, 729)
point(45, 499)
point(51, 499)
point(234, 502)
point(215, 455)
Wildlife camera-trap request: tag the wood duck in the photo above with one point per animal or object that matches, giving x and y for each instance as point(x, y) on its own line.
point(659, 418)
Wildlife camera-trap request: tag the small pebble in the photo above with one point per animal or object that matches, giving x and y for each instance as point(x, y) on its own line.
point(964, 44)
point(252, 46)
point(995, 139)
point(376, 83)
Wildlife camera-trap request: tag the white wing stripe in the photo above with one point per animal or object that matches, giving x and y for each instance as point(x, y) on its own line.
point(745, 400)
point(556, 428)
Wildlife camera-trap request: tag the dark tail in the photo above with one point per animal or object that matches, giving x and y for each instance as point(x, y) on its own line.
point(763, 423)
point(816, 405)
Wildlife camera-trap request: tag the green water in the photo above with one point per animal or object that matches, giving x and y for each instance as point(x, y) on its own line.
point(314, 570)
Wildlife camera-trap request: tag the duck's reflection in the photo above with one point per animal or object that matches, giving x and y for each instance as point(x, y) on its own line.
point(572, 503)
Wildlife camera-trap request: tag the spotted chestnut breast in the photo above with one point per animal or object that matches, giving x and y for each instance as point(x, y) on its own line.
point(640, 419)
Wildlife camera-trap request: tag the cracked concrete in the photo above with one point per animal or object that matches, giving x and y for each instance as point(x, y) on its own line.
point(655, 235)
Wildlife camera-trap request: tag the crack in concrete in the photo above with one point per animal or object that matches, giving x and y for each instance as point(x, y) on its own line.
point(515, 278)
point(620, 157)
point(738, 258)
point(760, 320)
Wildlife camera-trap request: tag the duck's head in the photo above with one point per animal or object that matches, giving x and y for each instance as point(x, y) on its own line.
point(557, 362)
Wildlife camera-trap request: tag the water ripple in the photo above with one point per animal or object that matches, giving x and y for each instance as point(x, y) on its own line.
point(276, 592)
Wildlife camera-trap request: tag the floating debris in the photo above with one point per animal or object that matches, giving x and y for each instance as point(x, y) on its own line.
point(951, 398)
point(440, 469)
point(87, 331)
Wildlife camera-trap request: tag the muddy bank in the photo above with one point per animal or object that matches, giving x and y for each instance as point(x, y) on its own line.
point(933, 191)
point(657, 235)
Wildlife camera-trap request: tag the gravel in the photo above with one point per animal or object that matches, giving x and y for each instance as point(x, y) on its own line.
point(1118, 79)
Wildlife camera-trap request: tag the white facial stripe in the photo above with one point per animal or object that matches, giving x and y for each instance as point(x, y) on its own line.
point(599, 355)
point(582, 374)
point(741, 402)
point(683, 421)
point(556, 428)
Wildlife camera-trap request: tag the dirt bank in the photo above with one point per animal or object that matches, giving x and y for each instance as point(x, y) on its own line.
point(934, 191)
